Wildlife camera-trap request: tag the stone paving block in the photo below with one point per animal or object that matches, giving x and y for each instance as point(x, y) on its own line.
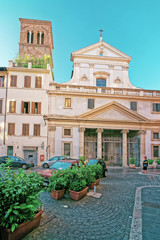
point(106, 218)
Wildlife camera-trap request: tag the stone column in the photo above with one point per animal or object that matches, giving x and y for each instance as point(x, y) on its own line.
point(124, 137)
point(110, 83)
point(91, 74)
point(81, 141)
point(125, 75)
point(142, 146)
point(77, 72)
point(51, 140)
point(99, 142)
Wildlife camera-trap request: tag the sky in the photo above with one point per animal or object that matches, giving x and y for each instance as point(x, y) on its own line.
point(133, 27)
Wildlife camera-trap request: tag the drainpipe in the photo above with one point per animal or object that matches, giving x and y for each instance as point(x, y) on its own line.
point(5, 114)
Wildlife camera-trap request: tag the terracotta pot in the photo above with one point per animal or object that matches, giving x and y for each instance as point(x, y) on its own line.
point(132, 166)
point(57, 194)
point(78, 195)
point(92, 185)
point(97, 181)
point(22, 230)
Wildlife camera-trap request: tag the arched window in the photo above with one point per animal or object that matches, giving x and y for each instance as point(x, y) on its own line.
point(38, 38)
point(28, 36)
point(32, 37)
point(42, 38)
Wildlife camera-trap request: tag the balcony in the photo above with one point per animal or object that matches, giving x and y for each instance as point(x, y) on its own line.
point(55, 87)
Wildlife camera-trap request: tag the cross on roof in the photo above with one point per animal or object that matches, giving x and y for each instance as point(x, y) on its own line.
point(101, 34)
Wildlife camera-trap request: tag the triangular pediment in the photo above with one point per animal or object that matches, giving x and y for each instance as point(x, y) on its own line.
point(107, 50)
point(113, 111)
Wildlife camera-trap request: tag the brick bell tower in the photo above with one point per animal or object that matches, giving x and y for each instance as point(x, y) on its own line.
point(35, 38)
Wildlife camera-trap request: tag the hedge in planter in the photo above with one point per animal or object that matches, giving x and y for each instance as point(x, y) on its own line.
point(57, 184)
point(19, 192)
point(77, 184)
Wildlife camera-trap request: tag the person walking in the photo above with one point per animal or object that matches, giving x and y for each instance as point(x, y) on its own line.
point(145, 165)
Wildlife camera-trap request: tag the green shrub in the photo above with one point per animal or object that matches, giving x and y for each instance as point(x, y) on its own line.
point(150, 161)
point(97, 169)
point(158, 161)
point(19, 196)
point(132, 161)
point(36, 62)
point(82, 158)
point(58, 181)
point(77, 182)
point(89, 175)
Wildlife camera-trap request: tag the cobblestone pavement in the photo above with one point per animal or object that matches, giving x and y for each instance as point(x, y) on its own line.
point(106, 218)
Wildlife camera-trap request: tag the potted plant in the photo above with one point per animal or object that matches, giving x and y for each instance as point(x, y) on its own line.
point(57, 185)
point(132, 163)
point(20, 207)
point(158, 163)
point(77, 186)
point(97, 169)
point(150, 163)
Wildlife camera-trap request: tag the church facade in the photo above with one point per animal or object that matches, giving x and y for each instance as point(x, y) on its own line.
point(97, 114)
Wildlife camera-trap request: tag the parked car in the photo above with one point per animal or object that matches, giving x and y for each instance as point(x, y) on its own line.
point(59, 165)
point(16, 162)
point(93, 161)
point(48, 163)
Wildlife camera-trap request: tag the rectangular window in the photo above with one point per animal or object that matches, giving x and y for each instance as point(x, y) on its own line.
point(25, 129)
point(1, 81)
point(91, 103)
point(12, 106)
point(27, 81)
point(68, 102)
point(133, 106)
point(38, 82)
point(156, 135)
point(67, 149)
point(10, 150)
point(36, 130)
point(11, 129)
point(36, 107)
point(67, 132)
point(1, 105)
point(100, 82)
point(26, 107)
point(156, 107)
point(13, 82)
point(155, 151)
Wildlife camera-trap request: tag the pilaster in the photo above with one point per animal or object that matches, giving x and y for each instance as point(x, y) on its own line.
point(51, 140)
point(81, 141)
point(124, 137)
point(142, 146)
point(99, 142)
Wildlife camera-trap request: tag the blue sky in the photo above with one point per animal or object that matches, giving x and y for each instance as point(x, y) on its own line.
point(131, 26)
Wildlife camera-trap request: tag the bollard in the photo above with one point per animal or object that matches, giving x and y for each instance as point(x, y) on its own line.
point(94, 189)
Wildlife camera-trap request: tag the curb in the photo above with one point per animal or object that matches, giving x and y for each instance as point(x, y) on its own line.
point(136, 226)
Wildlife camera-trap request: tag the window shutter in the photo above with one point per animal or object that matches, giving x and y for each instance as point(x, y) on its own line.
point(154, 107)
point(0, 106)
point(39, 108)
point(33, 107)
point(14, 107)
point(22, 108)
point(28, 107)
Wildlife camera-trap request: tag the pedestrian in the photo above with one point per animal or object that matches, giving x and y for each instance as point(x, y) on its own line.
point(145, 165)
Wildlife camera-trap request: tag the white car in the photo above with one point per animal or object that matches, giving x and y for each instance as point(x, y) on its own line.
point(48, 163)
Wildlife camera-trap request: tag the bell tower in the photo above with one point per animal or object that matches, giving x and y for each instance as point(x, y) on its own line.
point(35, 38)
